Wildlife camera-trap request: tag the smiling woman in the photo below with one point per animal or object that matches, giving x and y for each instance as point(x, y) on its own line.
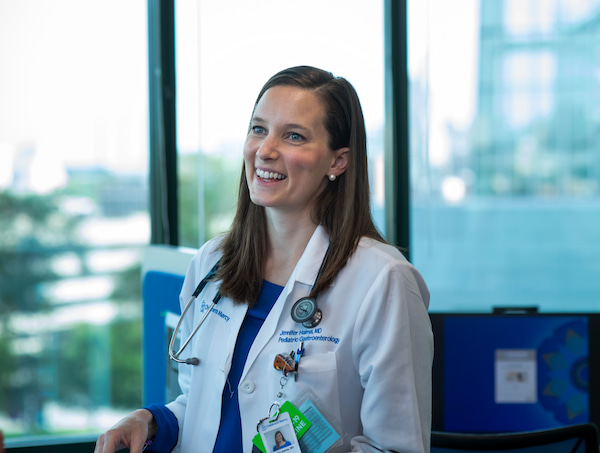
point(294, 222)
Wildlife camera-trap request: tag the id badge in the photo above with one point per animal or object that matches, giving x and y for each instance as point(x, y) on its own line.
point(321, 436)
point(279, 435)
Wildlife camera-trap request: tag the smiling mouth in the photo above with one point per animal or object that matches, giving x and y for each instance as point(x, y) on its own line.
point(269, 175)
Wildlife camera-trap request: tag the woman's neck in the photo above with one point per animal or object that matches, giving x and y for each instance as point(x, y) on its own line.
point(287, 242)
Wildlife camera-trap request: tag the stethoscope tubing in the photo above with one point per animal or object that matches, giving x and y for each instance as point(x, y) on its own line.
point(175, 355)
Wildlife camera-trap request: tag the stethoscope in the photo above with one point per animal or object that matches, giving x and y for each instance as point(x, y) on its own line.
point(304, 311)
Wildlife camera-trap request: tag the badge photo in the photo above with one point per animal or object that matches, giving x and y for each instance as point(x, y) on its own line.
point(279, 435)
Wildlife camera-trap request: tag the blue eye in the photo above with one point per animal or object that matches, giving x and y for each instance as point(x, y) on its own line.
point(295, 137)
point(258, 129)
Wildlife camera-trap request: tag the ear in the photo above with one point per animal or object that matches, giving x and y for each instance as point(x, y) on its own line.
point(340, 162)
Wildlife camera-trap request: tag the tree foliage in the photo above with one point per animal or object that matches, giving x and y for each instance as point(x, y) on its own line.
point(84, 365)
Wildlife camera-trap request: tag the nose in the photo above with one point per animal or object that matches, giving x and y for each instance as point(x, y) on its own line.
point(268, 148)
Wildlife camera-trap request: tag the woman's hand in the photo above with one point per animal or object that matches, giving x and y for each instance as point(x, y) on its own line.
point(132, 432)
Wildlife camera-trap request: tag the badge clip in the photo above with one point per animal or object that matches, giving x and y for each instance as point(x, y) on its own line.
point(270, 416)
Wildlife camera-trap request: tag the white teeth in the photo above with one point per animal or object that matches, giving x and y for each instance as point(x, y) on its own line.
point(269, 174)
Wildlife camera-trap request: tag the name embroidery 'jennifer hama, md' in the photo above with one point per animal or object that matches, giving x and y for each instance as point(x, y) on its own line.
point(293, 336)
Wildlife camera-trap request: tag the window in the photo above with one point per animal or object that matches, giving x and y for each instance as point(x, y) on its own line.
point(505, 202)
point(73, 212)
point(225, 52)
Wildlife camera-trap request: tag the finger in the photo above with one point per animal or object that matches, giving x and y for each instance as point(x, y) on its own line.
point(137, 445)
point(108, 444)
point(99, 444)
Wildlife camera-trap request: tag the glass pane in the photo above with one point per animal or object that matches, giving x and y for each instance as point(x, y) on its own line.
point(226, 51)
point(505, 108)
point(73, 212)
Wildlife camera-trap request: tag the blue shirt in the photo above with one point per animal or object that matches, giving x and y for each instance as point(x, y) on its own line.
point(286, 444)
point(229, 437)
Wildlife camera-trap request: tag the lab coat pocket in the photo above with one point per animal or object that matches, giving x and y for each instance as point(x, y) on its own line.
point(319, 400)
point(319, 373)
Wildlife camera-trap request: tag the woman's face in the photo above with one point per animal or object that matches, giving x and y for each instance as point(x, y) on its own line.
point(287, 154)
point(278, 437)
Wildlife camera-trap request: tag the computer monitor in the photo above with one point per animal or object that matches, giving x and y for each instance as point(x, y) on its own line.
point(505, 372)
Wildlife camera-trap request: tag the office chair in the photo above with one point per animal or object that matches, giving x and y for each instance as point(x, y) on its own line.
point(582, 438)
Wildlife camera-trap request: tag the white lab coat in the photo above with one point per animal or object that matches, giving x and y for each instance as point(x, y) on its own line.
point(368, 363)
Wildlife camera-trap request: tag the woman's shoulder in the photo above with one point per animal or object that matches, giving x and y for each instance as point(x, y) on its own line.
point(374, 258)
point(373, 249)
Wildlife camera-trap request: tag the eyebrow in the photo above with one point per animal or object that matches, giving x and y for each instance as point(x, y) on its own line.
point(287, 125)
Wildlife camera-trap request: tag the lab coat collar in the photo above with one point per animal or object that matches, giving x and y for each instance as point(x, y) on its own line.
point(308, 266)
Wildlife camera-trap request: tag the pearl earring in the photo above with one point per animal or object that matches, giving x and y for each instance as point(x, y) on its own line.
point(332, 177)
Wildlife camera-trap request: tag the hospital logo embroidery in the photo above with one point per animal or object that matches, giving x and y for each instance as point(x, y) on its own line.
point(205, 306)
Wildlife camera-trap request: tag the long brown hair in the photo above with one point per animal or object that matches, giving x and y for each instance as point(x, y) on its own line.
point(343, 208)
